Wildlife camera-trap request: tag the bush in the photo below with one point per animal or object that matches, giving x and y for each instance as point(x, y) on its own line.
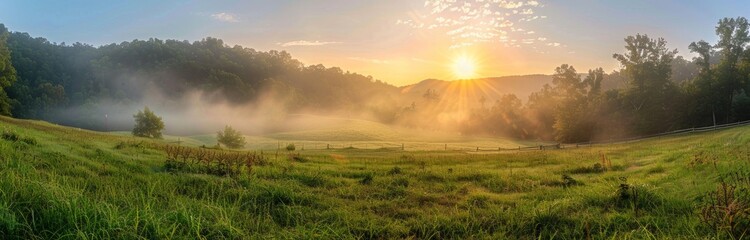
point(231, 138)
point(147, 124)
point(291, 147)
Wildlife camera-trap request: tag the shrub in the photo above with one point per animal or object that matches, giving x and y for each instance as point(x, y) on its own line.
point(231, 138)
point(147, 124)
point(291, 147)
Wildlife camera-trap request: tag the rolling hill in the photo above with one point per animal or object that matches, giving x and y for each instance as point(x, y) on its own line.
point(60, 182)
point(492, 88)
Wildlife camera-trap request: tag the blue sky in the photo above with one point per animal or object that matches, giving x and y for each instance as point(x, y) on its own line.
point(390, 39)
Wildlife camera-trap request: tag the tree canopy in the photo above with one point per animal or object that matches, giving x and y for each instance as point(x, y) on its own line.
point(230, 138)
point(147, 124)
point(7, 72)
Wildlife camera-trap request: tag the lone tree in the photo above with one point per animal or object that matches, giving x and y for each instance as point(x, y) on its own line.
point(147, 124)
point(230, 138)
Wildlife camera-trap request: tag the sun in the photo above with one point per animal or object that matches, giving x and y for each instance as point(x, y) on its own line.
point(464, 67)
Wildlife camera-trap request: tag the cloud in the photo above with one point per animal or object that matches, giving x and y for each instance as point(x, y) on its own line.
point(225, 17)
point(306, 43)
point(469, 22)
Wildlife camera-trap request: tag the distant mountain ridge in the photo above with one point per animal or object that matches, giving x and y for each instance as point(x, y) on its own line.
point(491, 88)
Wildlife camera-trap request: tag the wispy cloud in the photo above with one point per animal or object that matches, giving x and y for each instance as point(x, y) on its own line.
point(468, 22)
point(370, 60)
point(225, 17)
point(306, 43)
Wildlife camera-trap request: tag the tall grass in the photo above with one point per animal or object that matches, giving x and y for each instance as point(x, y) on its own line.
point(114, 187)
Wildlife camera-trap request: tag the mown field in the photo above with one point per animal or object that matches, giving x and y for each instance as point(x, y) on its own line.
point(64, 183)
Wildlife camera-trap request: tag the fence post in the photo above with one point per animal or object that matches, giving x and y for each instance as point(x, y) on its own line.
point(402, 147)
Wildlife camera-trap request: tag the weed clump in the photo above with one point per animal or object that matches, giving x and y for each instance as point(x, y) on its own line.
point(290, 147)
point(198, 160)
point(367, 180)
point(727, 209)
point(569, 181)
point(298, 158)
point(10, 136)
point(394, 171)
point(14, 137)
point(130, 144)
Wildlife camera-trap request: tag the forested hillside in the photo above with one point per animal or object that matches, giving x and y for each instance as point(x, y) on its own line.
point(656, 90)
point(54, 77)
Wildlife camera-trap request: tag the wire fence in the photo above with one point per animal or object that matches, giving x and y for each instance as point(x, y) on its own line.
point(658, 135)
point(486, 148)
point(465, 146)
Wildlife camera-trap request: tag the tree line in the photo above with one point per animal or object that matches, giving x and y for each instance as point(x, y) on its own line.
point(39, 78)
point(654, 91)
point(661, 92)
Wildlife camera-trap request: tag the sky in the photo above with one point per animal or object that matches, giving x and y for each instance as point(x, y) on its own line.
point(397, 41)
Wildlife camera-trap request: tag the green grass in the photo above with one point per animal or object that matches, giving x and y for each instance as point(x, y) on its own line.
point(70, 184)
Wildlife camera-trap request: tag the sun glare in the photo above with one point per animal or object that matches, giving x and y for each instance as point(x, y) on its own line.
point(464, 67)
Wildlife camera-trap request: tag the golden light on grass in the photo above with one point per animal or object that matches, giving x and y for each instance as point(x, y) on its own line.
point(464, 67)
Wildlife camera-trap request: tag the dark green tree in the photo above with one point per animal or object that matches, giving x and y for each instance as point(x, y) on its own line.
point(574, 103)
point(7, 72)
point(231, 138)
point(733, 39)
point(147, 124)
point(647, 65)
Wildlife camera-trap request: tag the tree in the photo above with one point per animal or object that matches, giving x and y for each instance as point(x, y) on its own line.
point(573, 103)
point(147, 124)
point(230, 138)
point(647, 65)
point(733, 39)
point(7, 72)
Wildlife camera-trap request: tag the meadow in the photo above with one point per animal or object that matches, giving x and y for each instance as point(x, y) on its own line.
point(66, 183)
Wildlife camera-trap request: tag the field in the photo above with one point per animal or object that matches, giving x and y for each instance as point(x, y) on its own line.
point(58, 182)
point(318, 132)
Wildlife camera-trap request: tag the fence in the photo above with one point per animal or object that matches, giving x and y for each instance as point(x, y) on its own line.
point(486, 148)
point(658, 135)
point(463, 146)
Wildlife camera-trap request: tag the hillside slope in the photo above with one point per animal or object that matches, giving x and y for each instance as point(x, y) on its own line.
point(491, 88)
point(58, 182)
